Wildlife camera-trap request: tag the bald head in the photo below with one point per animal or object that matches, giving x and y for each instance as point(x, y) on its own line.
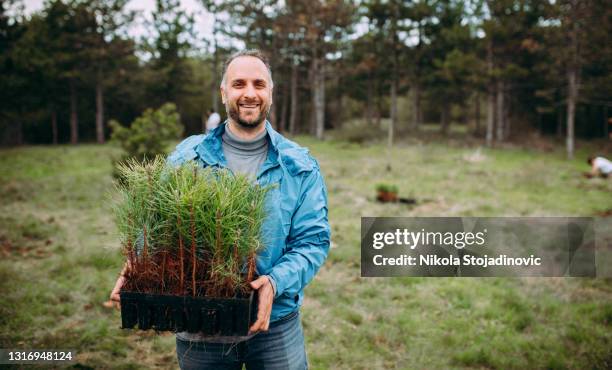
point(252, 53)
point(246, 91)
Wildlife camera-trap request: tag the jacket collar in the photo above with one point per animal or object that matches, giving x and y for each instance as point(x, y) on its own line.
point(210, 149)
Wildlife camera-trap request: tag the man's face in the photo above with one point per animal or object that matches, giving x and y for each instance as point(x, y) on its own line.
point(247, 92)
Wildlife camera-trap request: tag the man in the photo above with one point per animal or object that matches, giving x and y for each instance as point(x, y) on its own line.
point(295, 233)
point(213, 120)
point(600, 166)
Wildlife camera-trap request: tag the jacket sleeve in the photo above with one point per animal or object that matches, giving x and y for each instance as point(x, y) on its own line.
point(184, 151)
point(308, 240)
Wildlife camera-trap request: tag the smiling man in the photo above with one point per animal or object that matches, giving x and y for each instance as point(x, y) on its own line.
point(295, 232)
point(246, 91)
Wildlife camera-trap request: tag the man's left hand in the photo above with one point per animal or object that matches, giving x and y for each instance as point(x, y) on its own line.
point(265, 294)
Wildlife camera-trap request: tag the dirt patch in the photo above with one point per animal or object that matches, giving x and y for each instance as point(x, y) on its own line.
point(606, 213)
point(15, 191)
point(28, 237)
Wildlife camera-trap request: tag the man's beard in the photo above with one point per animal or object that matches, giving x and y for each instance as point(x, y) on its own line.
point(233, 111)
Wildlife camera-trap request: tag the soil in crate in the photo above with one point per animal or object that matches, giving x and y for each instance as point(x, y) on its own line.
point(210, 316)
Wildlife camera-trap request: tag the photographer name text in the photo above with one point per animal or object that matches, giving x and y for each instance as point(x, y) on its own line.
point(465, 260)
point(459, 240)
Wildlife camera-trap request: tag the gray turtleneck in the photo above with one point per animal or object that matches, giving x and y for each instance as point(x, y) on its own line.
point(245, 156)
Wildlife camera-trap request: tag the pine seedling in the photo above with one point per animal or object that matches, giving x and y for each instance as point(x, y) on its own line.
point(188, 230)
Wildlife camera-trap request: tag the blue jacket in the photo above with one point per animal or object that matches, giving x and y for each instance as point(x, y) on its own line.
point(296, 231)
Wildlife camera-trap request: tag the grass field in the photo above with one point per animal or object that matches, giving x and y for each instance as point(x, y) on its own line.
point(60, 258)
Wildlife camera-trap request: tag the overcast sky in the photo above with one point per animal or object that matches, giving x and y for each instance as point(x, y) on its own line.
point(203, 19)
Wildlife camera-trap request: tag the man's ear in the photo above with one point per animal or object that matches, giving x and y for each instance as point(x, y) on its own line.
point(222, 95)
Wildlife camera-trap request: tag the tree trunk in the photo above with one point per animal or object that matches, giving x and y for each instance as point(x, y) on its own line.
point(477, 114)
point(339, 111)
point(572, 95)
point(378, 111)
point(500, 111)
point(54, 126)
point(321, 104)
point(490, 96)
point(294, 98)
point(313, 98)
point(368, 115)
point(282, 122)
point(215, 81)
point(490, 116)
point(560, 122)
point(394, 80)
point(19, 133)
point(416, 106)
point(272, 117)
point(445, 118)
point(319, 97)
point(74, 119)
point(572, 81)
point(99, 112)
point(605, 122)
point(393, 113)
point(506, 114)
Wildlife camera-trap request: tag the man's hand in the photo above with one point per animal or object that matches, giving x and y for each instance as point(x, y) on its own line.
point(114, 296)
point(265, 294)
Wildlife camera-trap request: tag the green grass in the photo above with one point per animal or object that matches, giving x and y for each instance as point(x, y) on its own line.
point(60, 258)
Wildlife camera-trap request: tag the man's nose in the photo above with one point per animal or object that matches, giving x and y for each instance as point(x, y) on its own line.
point(250, 92)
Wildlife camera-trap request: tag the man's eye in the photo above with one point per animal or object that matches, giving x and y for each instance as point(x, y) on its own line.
point(238, 84)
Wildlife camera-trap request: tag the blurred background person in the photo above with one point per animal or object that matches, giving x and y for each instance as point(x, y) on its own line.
point(213, 120)
point(600, 166)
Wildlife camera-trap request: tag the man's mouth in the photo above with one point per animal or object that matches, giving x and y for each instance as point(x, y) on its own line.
point(249, 106)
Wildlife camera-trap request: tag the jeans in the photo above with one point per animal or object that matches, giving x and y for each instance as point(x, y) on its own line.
point(281, 347)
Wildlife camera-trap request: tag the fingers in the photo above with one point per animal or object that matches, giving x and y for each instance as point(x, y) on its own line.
point(115, 299)
point(261, 318)
point(114, 296)
point(256, 326)
point(263, 321)
point(259, 282)
point(108, 304)
point(266, 324)
point(264, 308)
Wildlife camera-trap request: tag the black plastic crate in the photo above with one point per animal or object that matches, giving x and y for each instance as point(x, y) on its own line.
point(211, 316)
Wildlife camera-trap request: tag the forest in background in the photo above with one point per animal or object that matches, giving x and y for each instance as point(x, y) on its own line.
point(500, 68)
point(439, 78)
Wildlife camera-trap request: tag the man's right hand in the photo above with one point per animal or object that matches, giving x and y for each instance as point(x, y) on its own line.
point(114, 297)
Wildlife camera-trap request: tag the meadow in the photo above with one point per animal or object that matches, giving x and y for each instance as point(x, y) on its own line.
point(60, 258)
